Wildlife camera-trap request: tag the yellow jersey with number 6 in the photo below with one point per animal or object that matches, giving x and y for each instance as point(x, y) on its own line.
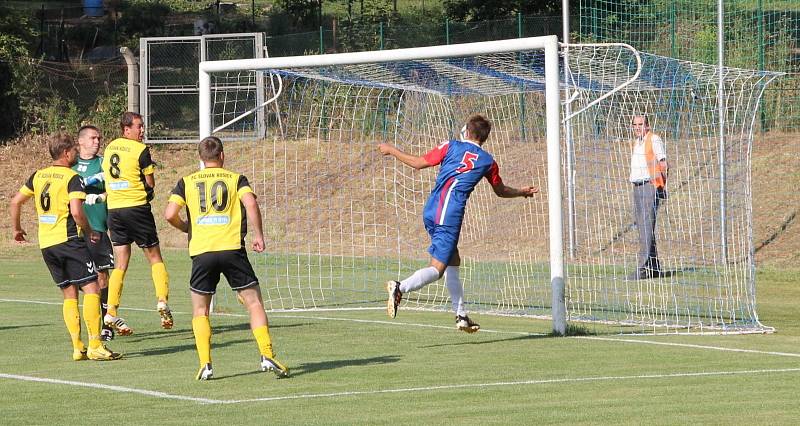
point(125, 164)
point(216, 216)
point(52, 188)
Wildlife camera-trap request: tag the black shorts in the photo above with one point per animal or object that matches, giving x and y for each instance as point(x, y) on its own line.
point(133, 224)
point(101, 252)
point(234, 264)
point(70, 263)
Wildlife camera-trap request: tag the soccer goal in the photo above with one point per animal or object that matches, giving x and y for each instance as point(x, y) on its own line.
point(340, 219)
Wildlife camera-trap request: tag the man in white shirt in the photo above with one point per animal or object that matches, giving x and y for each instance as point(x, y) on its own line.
point(649, 171)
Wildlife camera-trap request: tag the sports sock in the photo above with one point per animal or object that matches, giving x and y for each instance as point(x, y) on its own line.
point(91, 316)
point(160, 280)
point(264, 341)
point(202, 338)
point(456, 290)
point(115, 282)
point(419, 279)
point(103, 302)
point(72, 318)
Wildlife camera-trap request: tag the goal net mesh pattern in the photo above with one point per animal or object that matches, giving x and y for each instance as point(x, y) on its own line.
point(340, 220)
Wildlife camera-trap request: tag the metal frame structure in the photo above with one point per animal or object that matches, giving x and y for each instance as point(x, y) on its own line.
point(147, 90)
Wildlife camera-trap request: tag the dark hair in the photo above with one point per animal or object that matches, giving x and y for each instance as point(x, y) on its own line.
point(58, 143)
point(127, 119)
point(479, 127)
point(86, 127)
point(210, 148)
point(644, 117)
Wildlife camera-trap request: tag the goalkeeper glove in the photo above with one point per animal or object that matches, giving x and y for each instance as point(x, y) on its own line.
point(93, 179)
point(92, 199)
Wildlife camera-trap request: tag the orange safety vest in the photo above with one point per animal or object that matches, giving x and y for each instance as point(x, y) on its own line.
point(653, 165)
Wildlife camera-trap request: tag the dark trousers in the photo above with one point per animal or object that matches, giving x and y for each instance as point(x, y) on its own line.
point(645, 208)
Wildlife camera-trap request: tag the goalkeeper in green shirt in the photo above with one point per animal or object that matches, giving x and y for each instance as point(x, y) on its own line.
point(89, 167)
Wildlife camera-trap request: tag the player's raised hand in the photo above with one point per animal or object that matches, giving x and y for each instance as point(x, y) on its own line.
point(529, 191)
point(19, 236)
point(258, 244)
point(385, 148)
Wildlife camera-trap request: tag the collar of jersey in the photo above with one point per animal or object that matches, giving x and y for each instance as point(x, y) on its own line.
point(469, 141)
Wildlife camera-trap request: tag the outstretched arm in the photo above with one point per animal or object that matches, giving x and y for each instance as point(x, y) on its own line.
point(508, 192)
point(16, 208)
point(408, 159)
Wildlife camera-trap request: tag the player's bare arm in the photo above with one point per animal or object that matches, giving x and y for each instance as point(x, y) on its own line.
point(76, 209)
point(150, 180)
point(172, 215)
point(407, 159)
point(503, 191)
point(16, 208)
point(254, 214)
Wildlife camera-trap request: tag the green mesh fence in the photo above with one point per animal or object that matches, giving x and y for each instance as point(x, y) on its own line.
point(759, 34)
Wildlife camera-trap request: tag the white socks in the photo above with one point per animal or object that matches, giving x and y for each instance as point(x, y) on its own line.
point(419, 279)
point(453, 283)
point(425, 276)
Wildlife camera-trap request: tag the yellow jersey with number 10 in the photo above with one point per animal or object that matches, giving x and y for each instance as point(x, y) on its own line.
point(216, 216)
point(125, 163)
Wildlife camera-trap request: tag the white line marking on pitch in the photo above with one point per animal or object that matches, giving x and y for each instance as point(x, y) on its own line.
point(163, 395)
point(689, 345)
point(113, 388)
point(483, 330)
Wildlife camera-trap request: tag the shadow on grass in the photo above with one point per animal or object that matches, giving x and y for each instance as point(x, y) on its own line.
point(321, 366)
point(170, 350)
point(572, 330)
point(15, 327)
point(483, 342)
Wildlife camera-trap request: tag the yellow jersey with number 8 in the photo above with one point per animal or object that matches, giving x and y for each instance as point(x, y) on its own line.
point(125, 164)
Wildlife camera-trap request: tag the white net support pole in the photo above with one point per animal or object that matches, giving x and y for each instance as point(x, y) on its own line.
point(550, 46)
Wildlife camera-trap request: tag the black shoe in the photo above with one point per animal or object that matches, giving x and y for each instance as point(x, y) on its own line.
point(107, 334)
point(395, 297)
point(463, 323)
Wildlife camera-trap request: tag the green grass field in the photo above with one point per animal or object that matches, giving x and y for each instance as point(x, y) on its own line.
point(357, 367)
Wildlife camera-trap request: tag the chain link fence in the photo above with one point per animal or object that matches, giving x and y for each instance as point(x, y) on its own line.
point(759, 34)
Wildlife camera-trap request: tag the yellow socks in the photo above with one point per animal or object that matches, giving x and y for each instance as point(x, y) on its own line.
point(72, 318)
point(115, 290)
point(91, 315)
point(160, 280)
point(202, 338)
point(264, 342)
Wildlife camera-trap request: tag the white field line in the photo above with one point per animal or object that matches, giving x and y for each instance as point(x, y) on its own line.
point(122, 389)
point(566, 380)
point(483, 330)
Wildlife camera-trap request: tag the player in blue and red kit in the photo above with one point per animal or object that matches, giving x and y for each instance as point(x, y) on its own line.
point(463, 163)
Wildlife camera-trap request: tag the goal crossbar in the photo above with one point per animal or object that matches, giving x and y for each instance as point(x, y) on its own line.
point(549, 44)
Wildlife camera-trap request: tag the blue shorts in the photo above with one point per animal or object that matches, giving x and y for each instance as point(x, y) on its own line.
point(444, 240)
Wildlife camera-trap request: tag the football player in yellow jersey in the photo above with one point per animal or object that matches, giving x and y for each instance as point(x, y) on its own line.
point(218, 203)
point(128, 171)
point(59, 194)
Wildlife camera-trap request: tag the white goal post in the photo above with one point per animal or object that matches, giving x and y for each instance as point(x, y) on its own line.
point(553, 118)
point(340, 219)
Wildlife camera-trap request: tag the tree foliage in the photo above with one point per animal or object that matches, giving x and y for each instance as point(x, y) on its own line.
point(485, 10)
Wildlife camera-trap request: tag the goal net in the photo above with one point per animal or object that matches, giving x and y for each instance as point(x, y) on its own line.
point(340, 220)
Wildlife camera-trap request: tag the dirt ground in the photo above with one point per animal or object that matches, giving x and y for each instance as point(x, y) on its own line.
point(776, 199)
